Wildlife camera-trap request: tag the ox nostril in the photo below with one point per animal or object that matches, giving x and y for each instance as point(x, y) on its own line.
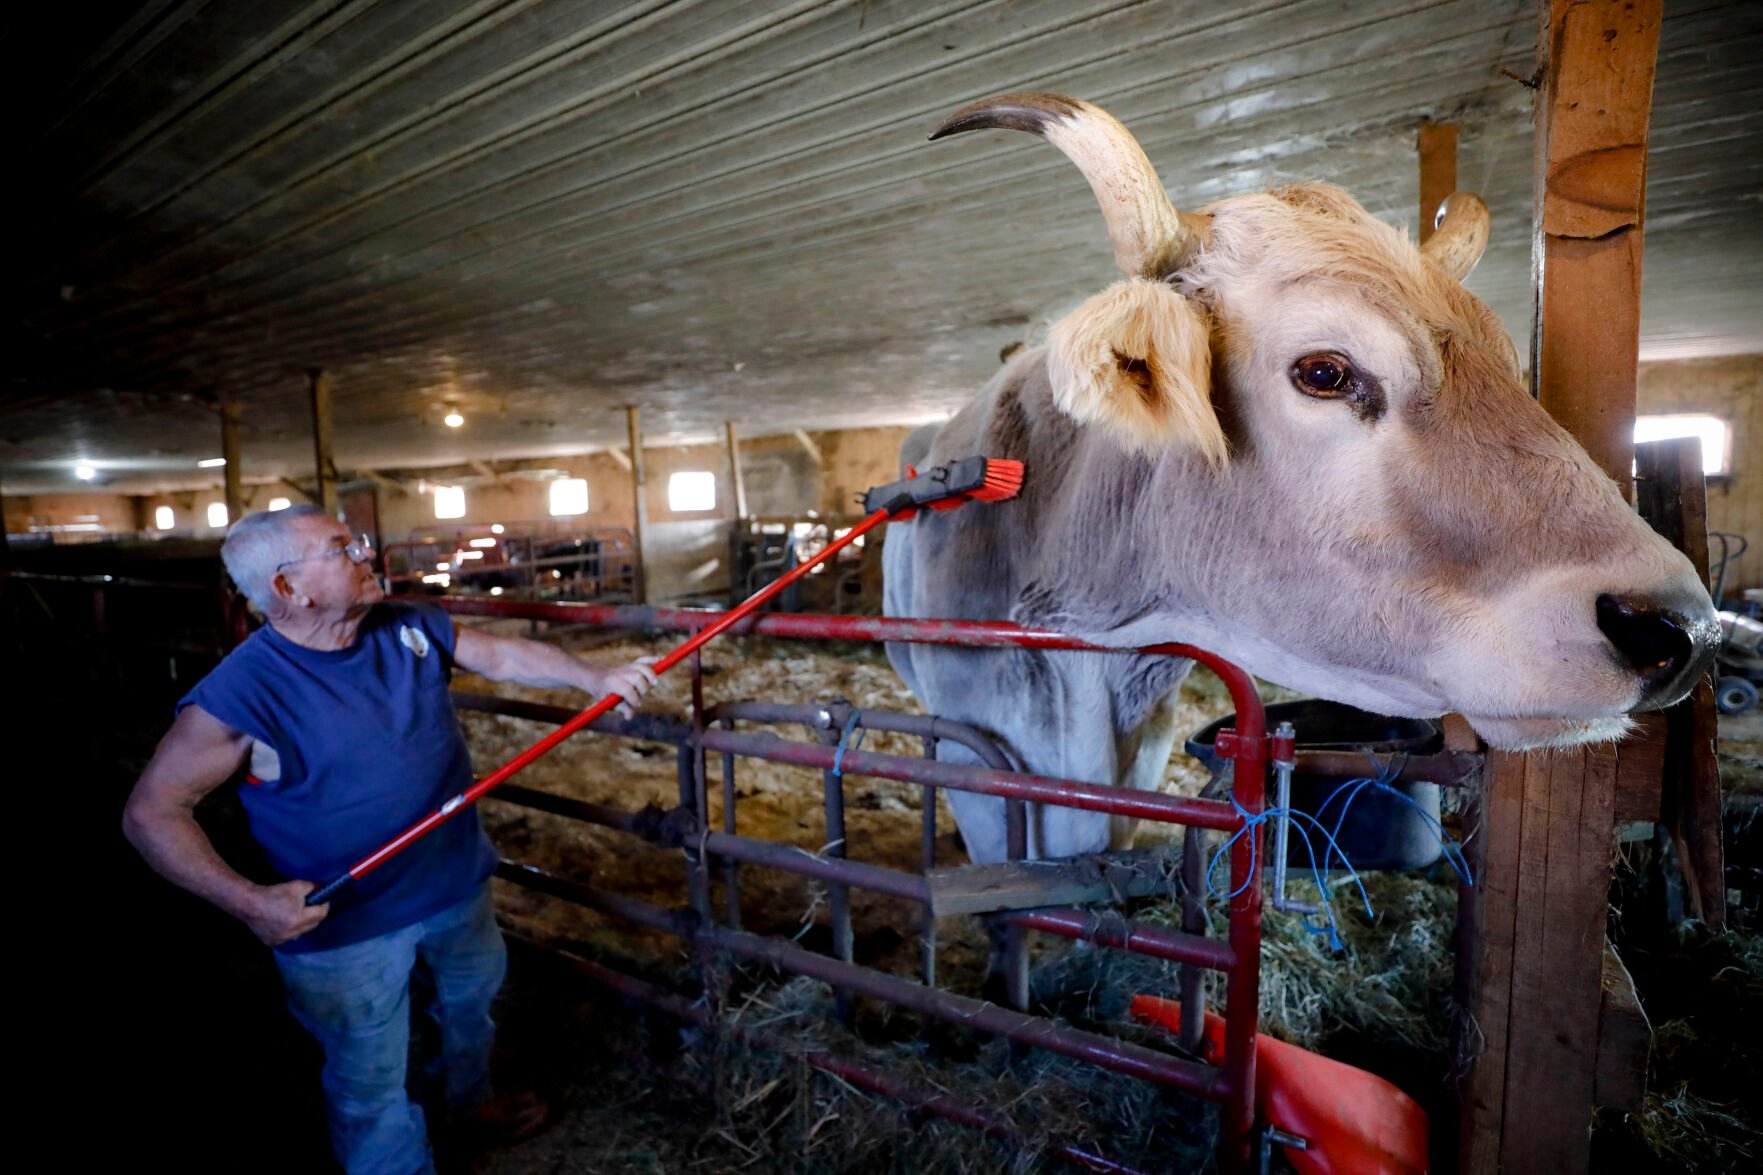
point(1656, 643)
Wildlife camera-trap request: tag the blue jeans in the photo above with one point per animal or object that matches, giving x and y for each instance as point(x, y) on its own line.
point(356, 1001)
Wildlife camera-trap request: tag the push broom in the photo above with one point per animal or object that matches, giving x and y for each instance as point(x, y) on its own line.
point(976, 479)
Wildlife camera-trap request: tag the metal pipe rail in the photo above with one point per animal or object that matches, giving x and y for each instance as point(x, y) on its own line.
point(1010, 785)
point(1233, 1084)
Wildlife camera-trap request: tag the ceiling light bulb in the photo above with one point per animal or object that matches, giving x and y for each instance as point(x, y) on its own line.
point(453, 420)
point(211, 463)
point(84, 472)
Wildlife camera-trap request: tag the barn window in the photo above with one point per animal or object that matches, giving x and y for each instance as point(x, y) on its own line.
point(279, 503)
point(217, 514)
point(449, 501)
point(1716, 459)
point(693, 491)
point(164, 518)
point(569, 495)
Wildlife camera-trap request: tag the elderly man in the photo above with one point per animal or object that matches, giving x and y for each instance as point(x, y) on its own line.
point(339, 706)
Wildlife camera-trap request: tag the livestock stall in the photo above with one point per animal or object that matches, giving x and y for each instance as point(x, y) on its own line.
point(532, 561)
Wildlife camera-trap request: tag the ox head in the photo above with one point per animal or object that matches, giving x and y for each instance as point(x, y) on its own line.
point(1348, 489)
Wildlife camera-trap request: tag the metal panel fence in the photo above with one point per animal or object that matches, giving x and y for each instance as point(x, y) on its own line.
point(706, 851)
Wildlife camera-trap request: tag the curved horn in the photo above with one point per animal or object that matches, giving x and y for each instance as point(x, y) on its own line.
point(1150, 237)
point(1459, 235)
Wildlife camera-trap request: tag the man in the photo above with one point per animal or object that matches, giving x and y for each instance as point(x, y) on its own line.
point(340, 707)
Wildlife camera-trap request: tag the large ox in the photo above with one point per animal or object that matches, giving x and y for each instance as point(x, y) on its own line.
point(1290, 437)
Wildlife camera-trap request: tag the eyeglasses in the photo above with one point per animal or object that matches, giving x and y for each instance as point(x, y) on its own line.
point(359, 550)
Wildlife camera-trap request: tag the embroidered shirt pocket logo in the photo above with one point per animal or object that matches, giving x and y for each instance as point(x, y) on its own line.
point(415, 640)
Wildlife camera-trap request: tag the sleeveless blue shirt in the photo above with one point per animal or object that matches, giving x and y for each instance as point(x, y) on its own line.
point(349, 749)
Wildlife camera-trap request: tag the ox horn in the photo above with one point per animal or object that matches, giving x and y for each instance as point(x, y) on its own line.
point(1151, 239)
point(1460, 234)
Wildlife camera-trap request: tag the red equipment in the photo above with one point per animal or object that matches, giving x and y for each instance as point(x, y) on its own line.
point(1356, 1123)
point(971, 478)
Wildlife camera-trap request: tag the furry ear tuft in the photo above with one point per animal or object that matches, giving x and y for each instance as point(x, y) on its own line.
point(1137, 360)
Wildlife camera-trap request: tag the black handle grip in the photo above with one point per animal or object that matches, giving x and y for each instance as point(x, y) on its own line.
point(323, 893)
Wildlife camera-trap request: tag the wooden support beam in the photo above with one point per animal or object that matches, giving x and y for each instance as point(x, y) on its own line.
point(734, 472)
point(386, 483)
point(620, 456)
point(303, 490)
point(1437, 145)
point(634, 429)
point(1595, 108)
point(229, 451)
point(1542, 855)
point(808, 443)
point(1543, 834)
point(1672, 495)
point(319, 384)
point(490, 471)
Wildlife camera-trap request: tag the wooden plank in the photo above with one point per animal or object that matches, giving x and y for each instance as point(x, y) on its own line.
point(1071, 881)
point(1672, 496)
point(1487, 942)
point(1625, 1039)
point(1437, 145)
point(1641, 770)
point(1595, 110)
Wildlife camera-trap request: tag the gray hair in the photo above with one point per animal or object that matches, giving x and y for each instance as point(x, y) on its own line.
point(256, 544)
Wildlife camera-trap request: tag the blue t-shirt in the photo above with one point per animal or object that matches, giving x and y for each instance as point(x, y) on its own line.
point(349, 749)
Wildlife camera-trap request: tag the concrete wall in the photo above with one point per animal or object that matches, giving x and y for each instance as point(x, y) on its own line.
point(1732, 389)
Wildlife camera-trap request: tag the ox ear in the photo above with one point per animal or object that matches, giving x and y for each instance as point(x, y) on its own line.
point(1137, 360)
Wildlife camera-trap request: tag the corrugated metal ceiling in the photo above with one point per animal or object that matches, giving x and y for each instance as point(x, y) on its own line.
point(540, 211)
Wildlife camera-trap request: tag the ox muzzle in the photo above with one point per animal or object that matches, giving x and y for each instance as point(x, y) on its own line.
point(1669, 644)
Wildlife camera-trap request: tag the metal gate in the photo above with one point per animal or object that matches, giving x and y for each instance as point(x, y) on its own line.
point(705, 850)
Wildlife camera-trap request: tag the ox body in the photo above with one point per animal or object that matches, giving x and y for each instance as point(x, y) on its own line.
point(1291, 437)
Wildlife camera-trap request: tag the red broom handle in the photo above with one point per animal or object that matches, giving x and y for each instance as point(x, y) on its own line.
point(500, 775)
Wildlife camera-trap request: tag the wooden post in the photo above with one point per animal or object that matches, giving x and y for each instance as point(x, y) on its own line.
point(634, 429)
point(1672, 497)
point(1545, 829)
point(1595, 106)
point(734, 473)
point(319, 381)
point(1541, 896)
point(1437, 144)
point(229, 450)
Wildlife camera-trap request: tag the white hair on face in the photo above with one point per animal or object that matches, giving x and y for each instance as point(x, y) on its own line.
point(256, 544)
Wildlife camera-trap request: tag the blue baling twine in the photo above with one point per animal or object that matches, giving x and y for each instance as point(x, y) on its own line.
point(845, 739)
point(1352, 788)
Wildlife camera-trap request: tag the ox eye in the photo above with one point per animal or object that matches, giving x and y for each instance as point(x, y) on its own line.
point(1323, 376)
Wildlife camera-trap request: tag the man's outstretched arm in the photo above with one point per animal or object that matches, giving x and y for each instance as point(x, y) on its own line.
point(501, 658)
point(197, 755)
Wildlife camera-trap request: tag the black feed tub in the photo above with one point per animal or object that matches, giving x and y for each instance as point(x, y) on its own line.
point(1380, 831)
